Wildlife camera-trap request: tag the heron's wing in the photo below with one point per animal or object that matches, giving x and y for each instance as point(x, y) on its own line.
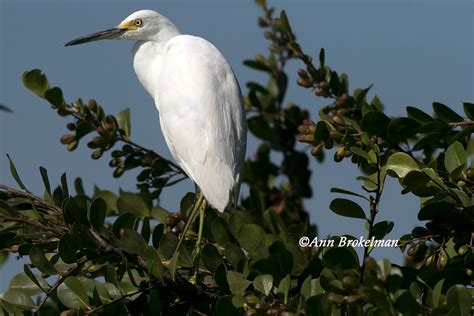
point(202, 116)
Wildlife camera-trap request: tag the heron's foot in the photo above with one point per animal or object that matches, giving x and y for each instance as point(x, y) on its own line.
point(193, 279)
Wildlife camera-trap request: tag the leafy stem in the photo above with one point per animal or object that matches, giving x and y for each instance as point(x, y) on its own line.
point(374, 204)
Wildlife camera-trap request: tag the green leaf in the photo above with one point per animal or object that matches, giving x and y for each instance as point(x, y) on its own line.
point(71, 212)
point(360, 152)
point(126, 220)
point(401, 164)
point(123, 121)
point(274, 222)
point(224, 305)
point(263, 283)
point(44, 175)
point(23, 283)
point(342, 191)
point(237, 220)
point(419, 183)
point(436, 295)
point(5, 108)
point(168, 244)
point(98, 291)
point(321, 58)
point(435, 209)
point(38, 280)
point(382, 229)
point(375, 123)
point(419, 115)
point(280, 258)
point(445, 113)
point(322, 131)
point(347, 208)
point(132, 203)
point(344, 257)
point(455, 157)
point(132, 242)
point(146, 230)
point(250, 236)
point(234, 254)
point(67, 248)
point(257, 65)
point(220, 232)
point(97, 213)
point(8, 210)
point(284, 287)
point(79, 187)
point(238, 301)
point(286, 25)
point(469, 110)
point(310, 287)
point(157, 234)
point(361, 94)
point(159, 213)
point(221, 277)
point(35, 81)
point(210, 257)
point(39, 260)
point(237, 283)
point(109, 197)
point(260, 127)
point(55, 97)
point(19, 299)
point(72, 293)
point(15, 173)
point(402, 128)
point(64, 186)
point(459, 300)
point(154, 262)
point(257, 200)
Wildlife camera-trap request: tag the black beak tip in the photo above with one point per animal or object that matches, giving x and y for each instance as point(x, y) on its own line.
point(71, 43)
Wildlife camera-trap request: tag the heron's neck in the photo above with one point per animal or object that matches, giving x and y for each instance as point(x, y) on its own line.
point(147, 56)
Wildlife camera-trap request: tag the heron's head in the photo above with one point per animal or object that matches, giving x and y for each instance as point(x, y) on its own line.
point(141, 25)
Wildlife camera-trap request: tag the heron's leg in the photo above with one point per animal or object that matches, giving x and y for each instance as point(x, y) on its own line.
point(202, 208)
point(193, 214)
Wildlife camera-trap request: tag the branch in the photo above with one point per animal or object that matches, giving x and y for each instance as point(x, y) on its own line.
point(374, 202)
point(33, 223)
point(38, 202)
point(463, 123)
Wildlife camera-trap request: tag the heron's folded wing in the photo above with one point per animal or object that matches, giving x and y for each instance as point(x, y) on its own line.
point(202, 116)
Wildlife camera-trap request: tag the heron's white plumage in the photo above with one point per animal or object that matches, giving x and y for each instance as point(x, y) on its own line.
point(198, 99)
point(200, 108)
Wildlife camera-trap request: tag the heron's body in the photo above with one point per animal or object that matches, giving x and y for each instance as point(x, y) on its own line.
point(200, 110)
point(198, 99)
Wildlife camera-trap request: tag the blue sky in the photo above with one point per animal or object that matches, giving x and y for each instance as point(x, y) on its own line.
point(414, 52)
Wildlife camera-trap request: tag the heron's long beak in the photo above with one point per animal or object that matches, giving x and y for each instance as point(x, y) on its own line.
point(107, 34)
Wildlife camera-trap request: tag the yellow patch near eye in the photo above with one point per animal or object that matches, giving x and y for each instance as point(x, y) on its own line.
point(127, 25)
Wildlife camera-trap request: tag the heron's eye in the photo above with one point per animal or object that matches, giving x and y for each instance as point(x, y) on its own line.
point(138, 22)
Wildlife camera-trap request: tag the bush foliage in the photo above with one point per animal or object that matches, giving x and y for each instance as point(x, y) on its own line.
point(110, 253)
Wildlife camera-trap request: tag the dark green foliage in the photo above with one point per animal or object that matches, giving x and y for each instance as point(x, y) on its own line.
point(115, 253)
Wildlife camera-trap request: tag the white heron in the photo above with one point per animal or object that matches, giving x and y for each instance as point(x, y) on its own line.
point(199, 103)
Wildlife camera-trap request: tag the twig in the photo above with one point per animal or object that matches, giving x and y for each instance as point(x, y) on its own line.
point(31, 222)
point(64, 275)
point(37, 200)
point(463, 123)
point(101, 307)
point(374, 202)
